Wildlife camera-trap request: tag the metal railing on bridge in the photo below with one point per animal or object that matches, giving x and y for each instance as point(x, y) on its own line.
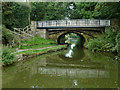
point(74, 23)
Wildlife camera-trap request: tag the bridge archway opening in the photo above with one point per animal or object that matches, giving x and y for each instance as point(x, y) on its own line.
point(68, 37)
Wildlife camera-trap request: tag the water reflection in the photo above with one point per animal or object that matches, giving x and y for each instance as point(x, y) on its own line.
point(95, 71)
point(74, 48)
point(75, 82)
point(74, 54)
point(72, 68)
point(69, 54)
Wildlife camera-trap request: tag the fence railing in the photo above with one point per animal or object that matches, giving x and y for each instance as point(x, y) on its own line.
point(74, 23)
point(23, 31)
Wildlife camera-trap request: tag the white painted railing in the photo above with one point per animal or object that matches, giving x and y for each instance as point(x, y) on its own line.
point(74, 23)
point(74, 72)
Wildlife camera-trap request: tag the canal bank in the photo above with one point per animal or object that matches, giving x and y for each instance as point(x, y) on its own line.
point(24, 54)
point(37, 52)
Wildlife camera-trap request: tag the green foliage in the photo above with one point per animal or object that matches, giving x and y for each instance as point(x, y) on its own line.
point(7, 56)
point(38, 10)
point(7, 36)
point(100, 10)
point(15, 15)
point(82, 10)
point(109, 41)
point(42, 50)
point(47, 11)
point(107, 10)
point(94, 45)
point(37, 42)
point(60, 10)
point(74, 10)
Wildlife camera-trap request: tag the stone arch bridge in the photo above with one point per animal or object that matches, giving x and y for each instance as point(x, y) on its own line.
point(53, 29)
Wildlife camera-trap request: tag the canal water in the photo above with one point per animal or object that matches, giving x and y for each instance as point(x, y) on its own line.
point(79, 68)
point(75, 67)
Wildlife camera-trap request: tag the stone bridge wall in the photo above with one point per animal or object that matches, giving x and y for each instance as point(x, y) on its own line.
point(55, 33)
point(39, 32)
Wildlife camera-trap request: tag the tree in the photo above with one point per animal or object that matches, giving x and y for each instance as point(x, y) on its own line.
point(47, 11)
point(15, 15)
point(82, 10)
point(107, 10)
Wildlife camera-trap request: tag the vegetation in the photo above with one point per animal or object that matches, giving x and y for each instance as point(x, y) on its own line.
point(47, 10)
point(7, 56)
point(109, 41)
point(41, 51)
point(74, 10)
point(107, 10)
point(7, 36)
point(36, 42)
point(18, 15)
point(15, 15)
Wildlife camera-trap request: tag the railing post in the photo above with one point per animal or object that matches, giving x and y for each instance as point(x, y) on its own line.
point(99, 22)
point(85, 22)
point(66, 22)
point(56, 22)
point(109, 22)
point(76, 22)
point(42, 24)
point(46, 23)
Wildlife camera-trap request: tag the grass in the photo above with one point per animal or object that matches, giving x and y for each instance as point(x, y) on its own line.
point(40, 51)
point(36, 42)
point(37, 46)
point(39, 40)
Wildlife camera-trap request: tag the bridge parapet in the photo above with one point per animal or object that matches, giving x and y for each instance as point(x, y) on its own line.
point(73, 23)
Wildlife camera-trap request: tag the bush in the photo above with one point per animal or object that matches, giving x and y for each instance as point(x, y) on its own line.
point(7, 36)
point(7, 56)
point(94, 45)
point(109, 41)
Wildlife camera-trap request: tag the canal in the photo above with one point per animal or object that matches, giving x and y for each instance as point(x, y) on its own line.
point(75, 67)
point(84, 70)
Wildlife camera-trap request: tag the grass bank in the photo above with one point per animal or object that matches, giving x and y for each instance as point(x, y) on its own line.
point(41, 50)
point(36, 42)
point(34, 47)
point(34, 53)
